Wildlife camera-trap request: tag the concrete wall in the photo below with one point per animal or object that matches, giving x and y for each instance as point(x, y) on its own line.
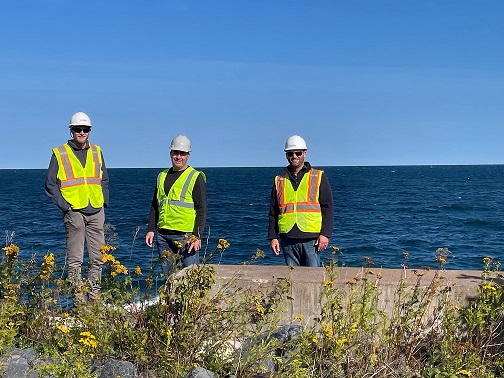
point(307, 283)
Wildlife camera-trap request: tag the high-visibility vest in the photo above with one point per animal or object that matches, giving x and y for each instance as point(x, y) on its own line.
point(80, 186)
point(299, 206)
point(176, 209)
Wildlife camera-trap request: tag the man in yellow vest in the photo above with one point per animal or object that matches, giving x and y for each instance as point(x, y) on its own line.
point(178, 210)
point(301, 215)
point(77, 182)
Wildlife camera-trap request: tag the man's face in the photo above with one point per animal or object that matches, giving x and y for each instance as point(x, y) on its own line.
point(296, 158)
point(80, 134)
point(179, 159)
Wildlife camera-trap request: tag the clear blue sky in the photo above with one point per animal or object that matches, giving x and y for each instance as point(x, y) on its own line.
point(365, 82)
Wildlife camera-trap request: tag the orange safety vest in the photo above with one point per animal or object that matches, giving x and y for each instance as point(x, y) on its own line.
point(299, 206)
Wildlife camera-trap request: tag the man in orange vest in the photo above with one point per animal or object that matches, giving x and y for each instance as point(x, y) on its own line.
point(301, 214)
point(77, 182)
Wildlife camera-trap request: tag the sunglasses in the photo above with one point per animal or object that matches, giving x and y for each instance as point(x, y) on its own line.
point(291, 153)
point(177, 152)
point(84, 130)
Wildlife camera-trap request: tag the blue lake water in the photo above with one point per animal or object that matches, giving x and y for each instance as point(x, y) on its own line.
point(380, 212)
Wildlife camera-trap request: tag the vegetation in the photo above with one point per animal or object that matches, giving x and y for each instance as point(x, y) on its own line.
point(229, 329)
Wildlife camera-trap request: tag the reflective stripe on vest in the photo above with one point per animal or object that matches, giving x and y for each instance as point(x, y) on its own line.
point(176, 209)
point(299, 206)
point(80, 186)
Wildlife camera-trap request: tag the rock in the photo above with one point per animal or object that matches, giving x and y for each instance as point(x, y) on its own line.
point(200, 372)
point(116, 368)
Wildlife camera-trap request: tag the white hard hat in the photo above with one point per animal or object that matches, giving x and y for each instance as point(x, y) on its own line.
point(80, 119)
point(181, 143)
point(295, 142)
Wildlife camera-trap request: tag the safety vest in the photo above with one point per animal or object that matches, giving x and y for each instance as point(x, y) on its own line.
point(176, 210)
point(80, 186)
point(299, 206)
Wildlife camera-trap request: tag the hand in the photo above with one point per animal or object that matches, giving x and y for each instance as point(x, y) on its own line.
point(194, 245)
point(275, 246)
point(149, 238)
point(322, 243)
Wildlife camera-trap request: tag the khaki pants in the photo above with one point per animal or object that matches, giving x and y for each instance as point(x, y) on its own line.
point(82, 228)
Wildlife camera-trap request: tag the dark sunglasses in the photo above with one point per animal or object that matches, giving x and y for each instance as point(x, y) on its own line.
point(291, 153)
point(84, 130)
point(177, 152)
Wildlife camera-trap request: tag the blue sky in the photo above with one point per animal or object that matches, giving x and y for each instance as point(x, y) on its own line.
point(365, 82)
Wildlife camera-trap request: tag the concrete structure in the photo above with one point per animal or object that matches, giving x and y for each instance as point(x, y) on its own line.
point(307, 283)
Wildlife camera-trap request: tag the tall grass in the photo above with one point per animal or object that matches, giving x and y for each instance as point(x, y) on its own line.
point(229, 329)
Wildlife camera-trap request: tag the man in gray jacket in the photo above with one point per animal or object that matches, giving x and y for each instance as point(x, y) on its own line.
point(77, 182)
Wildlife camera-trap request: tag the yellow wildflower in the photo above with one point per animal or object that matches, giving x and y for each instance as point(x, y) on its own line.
point(299, 317)
point(88, 339)
point(314, 340)
point(329, 331)
point(119, 268)
point(47, 266)
point(178, 243)
point(352, 281)
point(63, 329)
point(464, 373)
point(341, 341)
point(138, 271)
point(192, 239)
point(107, 257)
point(223, 244)
point(328, 283)
point(11, 251)
point(487, 259)
point(166, 254)
point(107, 248)
point(489, 287)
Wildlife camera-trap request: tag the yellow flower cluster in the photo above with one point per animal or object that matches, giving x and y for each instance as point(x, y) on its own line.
point(12, 294)
point(47, 266)
point(117, 267)
point(328, 283)
point(223, 244)
point(107, 257)
point(88, 339)
point(490, 287)
point(138, 271)
point(166, 254)
point(62, 329)
point(328, 331)
point(107, 248)
point(259, 307)
point(464, 373)
point(192, 239)
point(11, 251)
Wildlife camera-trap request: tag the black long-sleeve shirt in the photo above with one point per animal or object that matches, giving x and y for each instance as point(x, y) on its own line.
point(52, 184)
point(326, 208)
point(199, 198)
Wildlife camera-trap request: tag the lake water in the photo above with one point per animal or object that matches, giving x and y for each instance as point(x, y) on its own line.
point(380, 212)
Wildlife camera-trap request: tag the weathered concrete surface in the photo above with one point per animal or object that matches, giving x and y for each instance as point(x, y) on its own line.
point(307, 283)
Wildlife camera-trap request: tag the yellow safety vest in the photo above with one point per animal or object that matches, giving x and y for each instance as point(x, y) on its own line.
point(80, 186)
point(299, 206)
point(176, 209)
